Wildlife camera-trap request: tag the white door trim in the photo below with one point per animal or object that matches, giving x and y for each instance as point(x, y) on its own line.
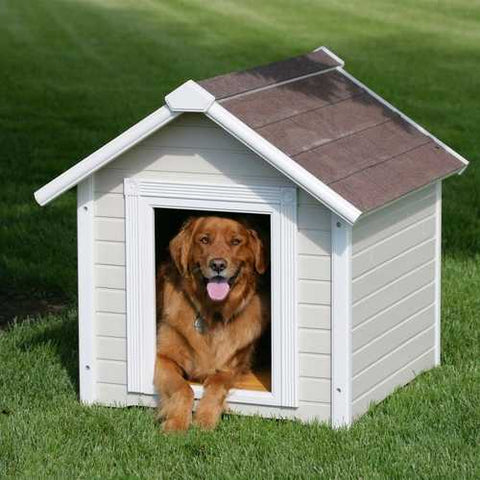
point(141, 197)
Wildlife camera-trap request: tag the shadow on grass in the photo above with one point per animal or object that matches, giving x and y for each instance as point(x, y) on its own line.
point(58, 335)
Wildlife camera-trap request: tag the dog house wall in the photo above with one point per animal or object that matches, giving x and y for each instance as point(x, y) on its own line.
point(396, 265)
point(193, 149)
point(368, 286)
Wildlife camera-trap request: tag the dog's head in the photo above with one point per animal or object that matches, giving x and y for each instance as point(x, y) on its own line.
point(217, 252)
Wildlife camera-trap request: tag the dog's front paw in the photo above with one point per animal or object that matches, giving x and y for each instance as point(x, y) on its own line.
point(176, 424)
point(207, 418)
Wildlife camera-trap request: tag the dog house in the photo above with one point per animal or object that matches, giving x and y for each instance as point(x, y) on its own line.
point(350, 190)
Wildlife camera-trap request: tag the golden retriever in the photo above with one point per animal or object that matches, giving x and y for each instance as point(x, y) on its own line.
point(210, 315)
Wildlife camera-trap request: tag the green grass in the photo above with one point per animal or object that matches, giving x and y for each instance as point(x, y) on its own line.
point(75, 73)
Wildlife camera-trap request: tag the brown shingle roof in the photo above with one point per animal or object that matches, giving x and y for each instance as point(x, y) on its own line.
point(334, 128)
point(235, 83)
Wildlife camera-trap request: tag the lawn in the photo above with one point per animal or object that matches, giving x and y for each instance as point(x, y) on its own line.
point(75, 73)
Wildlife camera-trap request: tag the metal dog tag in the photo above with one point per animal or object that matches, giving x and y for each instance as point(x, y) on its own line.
point(199, 324)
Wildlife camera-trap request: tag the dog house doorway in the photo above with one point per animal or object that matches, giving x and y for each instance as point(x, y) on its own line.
point(143, 200)
point(168, 222)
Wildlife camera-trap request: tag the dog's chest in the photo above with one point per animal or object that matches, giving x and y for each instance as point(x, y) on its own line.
point(219, 340)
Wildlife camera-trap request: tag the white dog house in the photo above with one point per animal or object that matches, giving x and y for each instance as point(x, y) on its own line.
point(352, 188)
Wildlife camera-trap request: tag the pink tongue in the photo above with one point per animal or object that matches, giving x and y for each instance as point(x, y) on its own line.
point(218, 290)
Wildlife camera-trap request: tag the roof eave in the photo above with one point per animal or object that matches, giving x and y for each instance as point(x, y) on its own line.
point(407, 119)
point(191, 97)
point(83, 169)
point(282, 162)
point(201, 100)
point(334, 57)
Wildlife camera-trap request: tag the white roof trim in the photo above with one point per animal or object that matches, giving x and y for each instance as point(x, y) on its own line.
point(104, 155)
point(283, 163)
point(278, 84)
point(407, 119)
point(201, 100)
point(328, 52)
point(189, 97)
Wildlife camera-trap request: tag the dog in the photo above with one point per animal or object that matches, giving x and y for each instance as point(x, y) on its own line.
point(210, 315)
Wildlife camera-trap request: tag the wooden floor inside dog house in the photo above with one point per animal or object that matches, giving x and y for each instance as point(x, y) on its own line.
point(167, 224)
point(260, 380)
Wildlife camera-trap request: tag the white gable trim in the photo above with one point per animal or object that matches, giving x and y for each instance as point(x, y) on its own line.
point(104, 155)
point(189, 97)
point(201, 100)
point(283, 163)
point(328, 52)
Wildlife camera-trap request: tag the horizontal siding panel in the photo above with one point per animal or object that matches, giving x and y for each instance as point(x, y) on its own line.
point(314, 316)
point(197, 137)
point(314, 292)
point(109, 348)
point(197, 160)
point(110, 394)
point(109, 276)
point(111, 301)
point(110, 229)
point(112, 372)
point(395, 268)
point(398, 289)
point(306, 411)
point(111, 324)
point(393, 339)
point(110, 205)
point(393, 362)
point(110, 253)
point(386, 320)
point(393, 246)
point(315, 390)
point(314, 216)
point(390, 220)
point(110, 180)
point(314, 268)
point(313, 242)
point(315, 365)
point(314, 341)
point(400, 378)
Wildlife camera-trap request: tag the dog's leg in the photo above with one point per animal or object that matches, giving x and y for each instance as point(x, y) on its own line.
point(176, 395)
point(212, 404)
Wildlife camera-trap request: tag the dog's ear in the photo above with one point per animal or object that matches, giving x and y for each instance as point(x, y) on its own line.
point(258, 251)
point(180, 245)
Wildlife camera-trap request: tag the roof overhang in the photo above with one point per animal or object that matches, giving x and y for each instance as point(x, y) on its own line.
point(104, 155)
point(191, 97)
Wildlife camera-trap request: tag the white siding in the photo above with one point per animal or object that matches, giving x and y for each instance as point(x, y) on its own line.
point(393, 294)
point(194, 149)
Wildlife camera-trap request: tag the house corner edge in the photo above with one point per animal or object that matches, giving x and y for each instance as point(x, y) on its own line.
point(341, 322)
point(86, 291)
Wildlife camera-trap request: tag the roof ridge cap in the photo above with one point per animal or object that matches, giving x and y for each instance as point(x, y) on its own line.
point(278, 84)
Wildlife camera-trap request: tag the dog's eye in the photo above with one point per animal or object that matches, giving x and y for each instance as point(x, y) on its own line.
point(204, 240)
point(236, 241)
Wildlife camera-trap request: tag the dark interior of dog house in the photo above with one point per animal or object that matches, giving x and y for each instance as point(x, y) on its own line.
point(168, 223)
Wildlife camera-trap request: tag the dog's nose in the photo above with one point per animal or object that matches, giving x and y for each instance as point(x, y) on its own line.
point(218, 264)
